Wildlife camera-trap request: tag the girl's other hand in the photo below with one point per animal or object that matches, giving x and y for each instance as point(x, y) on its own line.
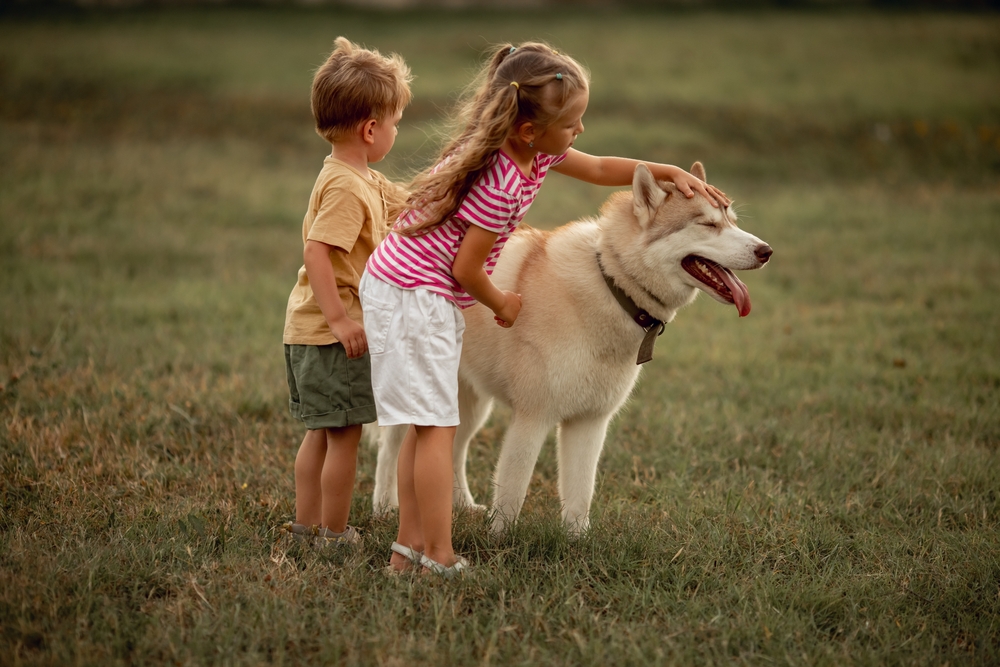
point(689, 184)
point(508, 313)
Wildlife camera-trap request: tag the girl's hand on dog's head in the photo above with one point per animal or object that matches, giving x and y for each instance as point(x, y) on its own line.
point(689, 184)
point(719, 196)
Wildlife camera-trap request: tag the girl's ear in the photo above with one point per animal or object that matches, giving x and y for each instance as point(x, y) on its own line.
point(525, 132)
point(368, 130)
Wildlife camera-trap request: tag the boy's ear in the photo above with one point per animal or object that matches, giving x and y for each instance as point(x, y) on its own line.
point(368, 130)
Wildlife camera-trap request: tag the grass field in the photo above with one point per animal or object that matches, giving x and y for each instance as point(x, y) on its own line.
point(817, 484)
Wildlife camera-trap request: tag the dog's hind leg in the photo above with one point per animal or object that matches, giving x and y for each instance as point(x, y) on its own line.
point(473, 410)
point(386, 495)
point(580, 445)
point(518, 454)
point(370, 434)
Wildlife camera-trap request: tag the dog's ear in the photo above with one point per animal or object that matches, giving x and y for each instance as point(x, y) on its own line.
point(698, 169)
point(646, 195)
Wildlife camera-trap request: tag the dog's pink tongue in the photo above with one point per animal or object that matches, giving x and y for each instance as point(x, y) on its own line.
point(741, 295)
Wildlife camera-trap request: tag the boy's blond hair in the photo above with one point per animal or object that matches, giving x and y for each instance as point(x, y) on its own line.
point(355, 85)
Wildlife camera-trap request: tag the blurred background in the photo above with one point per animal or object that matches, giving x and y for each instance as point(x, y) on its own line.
point(156, 160)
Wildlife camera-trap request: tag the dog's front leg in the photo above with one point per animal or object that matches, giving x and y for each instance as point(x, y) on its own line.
point(386, 495)
point(518, 454)
point(580, 445)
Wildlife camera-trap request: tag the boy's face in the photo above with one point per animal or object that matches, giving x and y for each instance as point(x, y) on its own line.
point(385, 136)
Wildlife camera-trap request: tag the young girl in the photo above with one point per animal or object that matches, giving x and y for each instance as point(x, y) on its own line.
point(521, 120)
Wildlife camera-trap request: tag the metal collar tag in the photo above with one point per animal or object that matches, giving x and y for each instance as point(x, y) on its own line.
point(648, 341)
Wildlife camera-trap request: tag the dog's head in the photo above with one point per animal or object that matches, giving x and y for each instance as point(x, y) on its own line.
point(673, 240)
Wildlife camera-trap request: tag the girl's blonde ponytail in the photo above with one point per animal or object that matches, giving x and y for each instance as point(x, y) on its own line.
point(511, 88)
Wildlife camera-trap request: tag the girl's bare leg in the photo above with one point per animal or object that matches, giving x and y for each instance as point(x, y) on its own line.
point(432, 485)
point(410, 532)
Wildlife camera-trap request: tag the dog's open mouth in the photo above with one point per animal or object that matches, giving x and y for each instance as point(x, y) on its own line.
point(720, 281)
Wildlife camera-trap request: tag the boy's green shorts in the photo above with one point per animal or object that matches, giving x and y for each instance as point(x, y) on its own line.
point(328, 390)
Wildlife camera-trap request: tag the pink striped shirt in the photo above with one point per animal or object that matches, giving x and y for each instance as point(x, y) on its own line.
point(497, 202)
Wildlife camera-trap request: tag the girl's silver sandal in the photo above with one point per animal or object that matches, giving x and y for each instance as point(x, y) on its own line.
point(456, 569)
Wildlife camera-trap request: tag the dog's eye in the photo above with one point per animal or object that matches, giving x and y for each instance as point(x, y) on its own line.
point(713, 225)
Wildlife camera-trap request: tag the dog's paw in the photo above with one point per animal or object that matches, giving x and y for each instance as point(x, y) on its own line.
point(475, 508)
point(498, 526)
point(577, 527)
point(383, 510)
point(464, 501)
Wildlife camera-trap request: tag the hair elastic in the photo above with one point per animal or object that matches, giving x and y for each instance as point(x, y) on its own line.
point(514, 83)
point(558, 76)
point(512, 49)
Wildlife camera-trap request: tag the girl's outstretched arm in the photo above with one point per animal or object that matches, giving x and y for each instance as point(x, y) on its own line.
point(617, 171)
point(470, 273)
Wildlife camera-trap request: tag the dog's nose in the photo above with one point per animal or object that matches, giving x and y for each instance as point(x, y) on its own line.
point(763, 253)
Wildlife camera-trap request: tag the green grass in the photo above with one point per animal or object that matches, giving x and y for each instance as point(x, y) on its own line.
point(816, 484)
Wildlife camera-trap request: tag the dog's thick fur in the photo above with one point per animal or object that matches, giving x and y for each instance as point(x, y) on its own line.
point(570, 358)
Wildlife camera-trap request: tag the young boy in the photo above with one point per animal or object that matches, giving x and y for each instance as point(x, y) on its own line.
point(358, 97)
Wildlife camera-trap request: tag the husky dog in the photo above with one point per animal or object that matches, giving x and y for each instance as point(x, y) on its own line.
point(595, 294)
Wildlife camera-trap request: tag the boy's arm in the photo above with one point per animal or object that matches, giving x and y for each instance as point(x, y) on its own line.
point(617, 171)
point(316, 257)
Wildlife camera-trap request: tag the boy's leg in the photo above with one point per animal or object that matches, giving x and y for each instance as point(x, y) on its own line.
point(308, 469)
point(410, 531)
point(339, 469)
point(432, 485)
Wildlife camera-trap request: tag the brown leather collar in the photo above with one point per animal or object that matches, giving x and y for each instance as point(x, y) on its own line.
point(652, 326)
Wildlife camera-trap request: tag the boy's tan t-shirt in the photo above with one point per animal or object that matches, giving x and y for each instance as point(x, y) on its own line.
point(350, 213)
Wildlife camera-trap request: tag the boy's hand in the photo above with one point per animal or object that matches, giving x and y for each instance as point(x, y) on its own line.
point(508, 313)
point(689, 184)
point(351, 335)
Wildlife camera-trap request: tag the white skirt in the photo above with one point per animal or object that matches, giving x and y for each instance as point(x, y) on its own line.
point(415, 342)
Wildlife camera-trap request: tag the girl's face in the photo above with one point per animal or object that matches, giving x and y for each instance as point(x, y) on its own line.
point(556, 139)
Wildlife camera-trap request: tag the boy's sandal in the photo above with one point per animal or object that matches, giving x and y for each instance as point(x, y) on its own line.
point(457, 569)
point(409, 553)
point(320, 538)
point(301, 533)
point(326, 537)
